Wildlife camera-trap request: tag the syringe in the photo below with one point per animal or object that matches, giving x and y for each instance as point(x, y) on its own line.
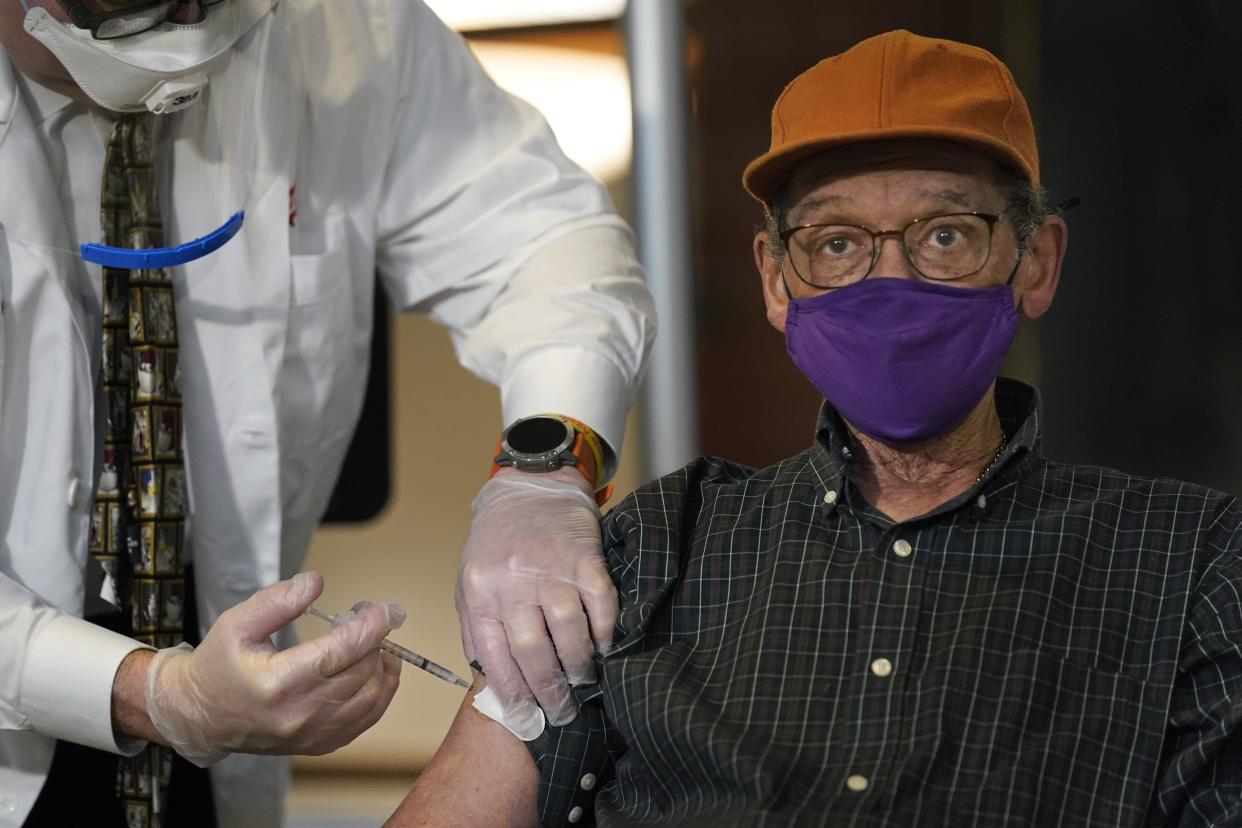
point(404, 654)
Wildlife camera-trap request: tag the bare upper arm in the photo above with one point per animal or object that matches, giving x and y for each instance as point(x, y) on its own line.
point(481, 775)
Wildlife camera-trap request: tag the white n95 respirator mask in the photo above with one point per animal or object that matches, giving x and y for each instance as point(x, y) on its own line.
point(162, 69)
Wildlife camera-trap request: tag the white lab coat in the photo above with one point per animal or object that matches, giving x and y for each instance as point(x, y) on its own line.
point(408, 161)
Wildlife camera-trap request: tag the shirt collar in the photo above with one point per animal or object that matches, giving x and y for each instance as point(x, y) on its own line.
point(43, 102)
point(1021, 415)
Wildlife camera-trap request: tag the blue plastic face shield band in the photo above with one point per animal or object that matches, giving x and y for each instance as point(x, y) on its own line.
point(125, 258)
point(219, 158)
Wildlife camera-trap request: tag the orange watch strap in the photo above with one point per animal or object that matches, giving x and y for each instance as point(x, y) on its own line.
point(601, 495)
point(593, 442)
point(495, 454)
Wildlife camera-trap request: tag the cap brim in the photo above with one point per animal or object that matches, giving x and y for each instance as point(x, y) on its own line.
point(764, 176)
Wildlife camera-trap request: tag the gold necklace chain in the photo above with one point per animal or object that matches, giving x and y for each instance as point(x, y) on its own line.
point(999, 450)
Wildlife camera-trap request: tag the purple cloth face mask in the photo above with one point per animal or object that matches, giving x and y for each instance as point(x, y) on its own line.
point(902, 360)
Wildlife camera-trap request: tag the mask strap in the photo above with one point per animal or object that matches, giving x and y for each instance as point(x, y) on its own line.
point(1014, 272)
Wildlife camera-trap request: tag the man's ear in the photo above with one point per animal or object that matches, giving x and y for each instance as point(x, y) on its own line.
point(768, 264)
point(1040, 271)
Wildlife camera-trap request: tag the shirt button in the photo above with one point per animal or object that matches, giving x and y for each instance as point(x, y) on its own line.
point(982, 502)
point(902, 548)
point(575, 814)
point(8, 802)
point(588, 782)
point(71, 494)
point(882, 667)
point(830, 496)
point(255, 434)
point(857, 783)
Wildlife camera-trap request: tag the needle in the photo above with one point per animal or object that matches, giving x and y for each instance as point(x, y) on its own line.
point(403, 654)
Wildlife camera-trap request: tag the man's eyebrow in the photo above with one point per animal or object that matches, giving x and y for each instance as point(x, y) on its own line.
point(811, 204)
point(958, 197)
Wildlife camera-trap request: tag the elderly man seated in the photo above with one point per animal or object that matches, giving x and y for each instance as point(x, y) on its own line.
point(920, 620)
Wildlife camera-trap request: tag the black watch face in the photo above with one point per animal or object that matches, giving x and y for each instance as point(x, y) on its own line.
point(537, 435)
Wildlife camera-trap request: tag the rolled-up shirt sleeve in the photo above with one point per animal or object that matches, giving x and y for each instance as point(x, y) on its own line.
point(488, 228)
point(57, 671)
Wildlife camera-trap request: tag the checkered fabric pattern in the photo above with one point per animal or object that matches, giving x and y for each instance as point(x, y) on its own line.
point(1058, 646)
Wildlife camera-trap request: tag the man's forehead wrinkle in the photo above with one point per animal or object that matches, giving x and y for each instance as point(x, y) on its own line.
point(958, 197)
point(818, 201)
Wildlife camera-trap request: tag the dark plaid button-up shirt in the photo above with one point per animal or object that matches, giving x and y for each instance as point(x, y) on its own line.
point(1058, 646)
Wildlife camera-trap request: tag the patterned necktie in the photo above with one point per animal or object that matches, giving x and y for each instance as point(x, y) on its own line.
point(137, 531)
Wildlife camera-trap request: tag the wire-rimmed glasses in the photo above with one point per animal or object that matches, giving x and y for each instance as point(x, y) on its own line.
point(943, 247)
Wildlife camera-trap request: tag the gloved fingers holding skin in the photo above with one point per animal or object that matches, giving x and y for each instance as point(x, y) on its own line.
point(536, 657)
point(524, 636)
point(567, 624)
point(236, 693)
point(534, 584)
point(599, 599)
point(505, 678)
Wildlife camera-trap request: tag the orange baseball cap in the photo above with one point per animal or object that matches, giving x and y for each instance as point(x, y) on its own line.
point(897, 85)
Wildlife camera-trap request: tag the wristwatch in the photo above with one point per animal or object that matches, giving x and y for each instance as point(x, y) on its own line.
point(546, 442)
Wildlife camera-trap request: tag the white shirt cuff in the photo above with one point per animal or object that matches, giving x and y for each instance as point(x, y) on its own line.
point(573, 382)
point(66, 688)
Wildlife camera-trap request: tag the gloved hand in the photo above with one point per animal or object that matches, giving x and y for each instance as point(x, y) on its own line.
point(236, 693)
point(533, 593)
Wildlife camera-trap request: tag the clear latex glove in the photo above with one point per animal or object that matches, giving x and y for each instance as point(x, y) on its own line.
point(236, 693)
point(533, 593)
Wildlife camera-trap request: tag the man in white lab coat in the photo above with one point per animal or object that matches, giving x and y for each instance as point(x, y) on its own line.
point(367, 140)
